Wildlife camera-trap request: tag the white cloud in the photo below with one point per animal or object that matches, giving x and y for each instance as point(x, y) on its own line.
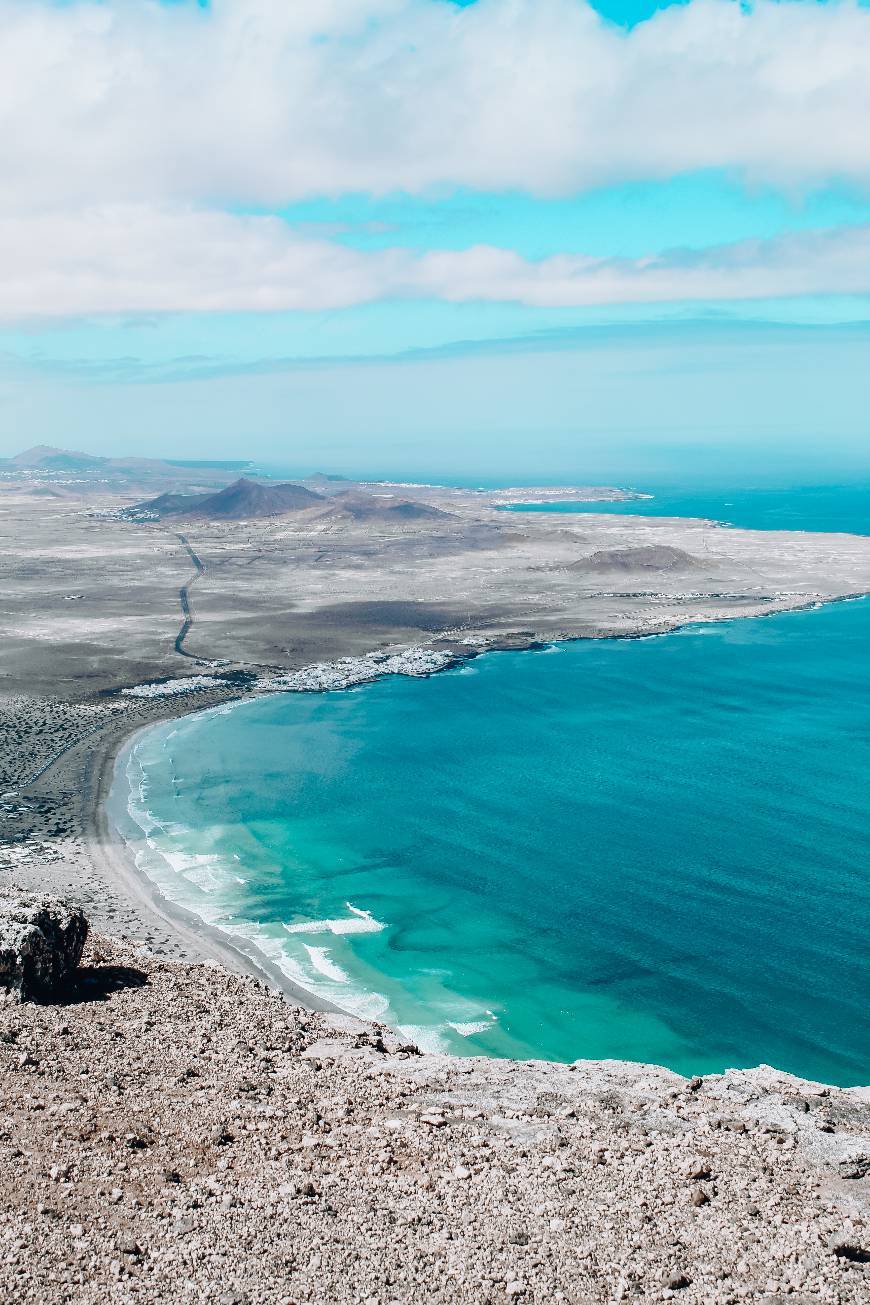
point(129, 132)
point(267, 101)
point(130, 260)
point(136, 259)
point(835, 261)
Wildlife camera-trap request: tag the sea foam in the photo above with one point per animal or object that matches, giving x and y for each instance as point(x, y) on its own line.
point(468, 1029)
point(360, 922)
point(323, 963)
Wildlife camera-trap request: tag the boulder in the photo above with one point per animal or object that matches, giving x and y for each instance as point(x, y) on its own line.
point(41, 941)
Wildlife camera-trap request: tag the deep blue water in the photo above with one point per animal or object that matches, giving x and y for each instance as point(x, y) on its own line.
point(648, 849)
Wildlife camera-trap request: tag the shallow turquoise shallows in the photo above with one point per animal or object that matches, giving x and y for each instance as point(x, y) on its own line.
point(649, 849)
point(802, 507)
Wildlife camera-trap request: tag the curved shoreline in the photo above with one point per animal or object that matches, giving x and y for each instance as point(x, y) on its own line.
point(111, 848)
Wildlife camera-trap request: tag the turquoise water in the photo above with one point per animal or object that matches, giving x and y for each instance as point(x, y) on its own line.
point(806, 507)
point(648, 849)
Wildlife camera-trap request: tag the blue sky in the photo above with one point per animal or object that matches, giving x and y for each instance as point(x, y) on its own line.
point(248, 227)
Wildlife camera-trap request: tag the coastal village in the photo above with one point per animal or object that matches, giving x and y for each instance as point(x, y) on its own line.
point(434, 631)
point(175, 1126)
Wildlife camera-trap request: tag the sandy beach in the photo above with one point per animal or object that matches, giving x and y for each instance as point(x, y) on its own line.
point(110, 849)
point(197, 1136)
point(474, 580)
point(96, 861)
point(68, 830)
point(495, 1176)
point(518, 347)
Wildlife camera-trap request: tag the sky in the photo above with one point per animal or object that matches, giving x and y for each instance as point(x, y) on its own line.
point(421, 236)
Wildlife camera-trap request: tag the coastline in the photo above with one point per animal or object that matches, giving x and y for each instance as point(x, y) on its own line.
point(115, 857)
point(746, 1185)
point(115, 853)
point(261, 1127)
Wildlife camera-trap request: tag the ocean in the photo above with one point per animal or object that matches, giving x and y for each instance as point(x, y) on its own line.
point(653, 849)
point(834, 508)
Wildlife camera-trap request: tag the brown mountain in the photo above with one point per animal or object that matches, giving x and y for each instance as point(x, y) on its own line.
point(244, 500)
point(364, 506)
point(171, 504)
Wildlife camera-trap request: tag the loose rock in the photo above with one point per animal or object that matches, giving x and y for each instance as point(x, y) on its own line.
point(41, 942)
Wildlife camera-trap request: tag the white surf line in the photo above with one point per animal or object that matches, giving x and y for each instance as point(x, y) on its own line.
point(324, 964)
point(364, 922)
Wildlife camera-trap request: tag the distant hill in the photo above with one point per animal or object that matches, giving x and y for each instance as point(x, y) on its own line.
point(52, 459)
point(170, 504)
point(653, 557)
point(45, 457)
point(244, 500)
point(363, 506)
point(249, 500)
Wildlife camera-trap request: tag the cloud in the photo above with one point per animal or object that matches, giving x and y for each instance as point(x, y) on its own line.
point(263, 102)
point(832, 262)
point(137, 260)
point(133, 137)
point(141, 260)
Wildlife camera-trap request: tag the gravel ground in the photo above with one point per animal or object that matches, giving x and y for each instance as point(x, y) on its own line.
point(177, 1133)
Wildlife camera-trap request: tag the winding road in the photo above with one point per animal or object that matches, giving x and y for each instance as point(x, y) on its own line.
point(184, 599)
point(187, 622)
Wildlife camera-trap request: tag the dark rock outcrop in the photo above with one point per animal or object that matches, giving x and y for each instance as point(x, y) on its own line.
point(41, 942)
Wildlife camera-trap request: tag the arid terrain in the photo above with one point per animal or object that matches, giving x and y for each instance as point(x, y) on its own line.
point(190, 1135)
point(93, 600)
point(93, 603)
point(177, 1133)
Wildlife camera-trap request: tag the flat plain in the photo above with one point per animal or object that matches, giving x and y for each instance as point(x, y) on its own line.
point(196, 1136)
